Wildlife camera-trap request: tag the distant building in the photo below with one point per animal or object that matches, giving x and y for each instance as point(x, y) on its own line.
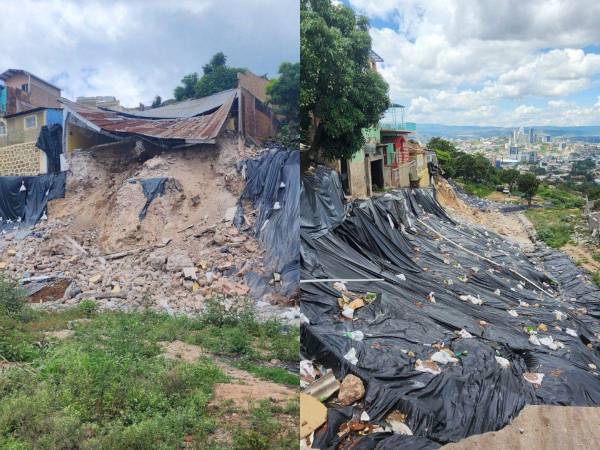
point(22, 91)
point(27, 103)
point(531, 136)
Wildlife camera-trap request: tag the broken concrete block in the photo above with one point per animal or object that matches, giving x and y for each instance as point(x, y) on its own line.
point(229, 214)
point(313, 414)
point(177, 261)
point(190, 273)
point(352, 389)
point(116, 288)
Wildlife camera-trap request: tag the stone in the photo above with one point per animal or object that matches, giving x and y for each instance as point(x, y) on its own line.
point(11, 252)
point(352, 390)
point(72, 290)
point(229, 214)
point(177, 261)
point(3, 265)
point(95, 278)
point(190, 273)
point(116, 288)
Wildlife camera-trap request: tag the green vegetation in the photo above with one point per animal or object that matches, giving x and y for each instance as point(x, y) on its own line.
point(477, 189)
point(528, 184)
point(107, 386)
point(596, 257)
point(596, 278)
point(284, 97)
point(560, 197)
point(339, 93)
point(217, 76)
point(553, 226)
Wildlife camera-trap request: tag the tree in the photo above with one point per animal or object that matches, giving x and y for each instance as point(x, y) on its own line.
point(528, 184)
point(217, 77)
point(446, 153)
point(284, 96)
point(510, 177)
point(157, 101)
point(339, 92)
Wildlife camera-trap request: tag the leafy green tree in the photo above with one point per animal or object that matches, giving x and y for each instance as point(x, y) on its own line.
point(528, 184)
point(446, 153)
point(217, 76)
point(510, 177)
point(157, 101)
point(284, 96)
point(339, 92)
point(284, 92)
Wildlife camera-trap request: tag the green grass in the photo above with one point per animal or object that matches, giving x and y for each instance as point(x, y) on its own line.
point(553, 226)
point(479, 190)
point(560, 198)
point(596, 257)
point(596, 278)
point(275, 374)
point(109, 387)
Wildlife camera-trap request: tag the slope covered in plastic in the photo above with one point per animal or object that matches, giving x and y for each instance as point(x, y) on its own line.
point(465, 329)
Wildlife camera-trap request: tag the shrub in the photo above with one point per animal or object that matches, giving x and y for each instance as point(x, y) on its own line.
point(12, 298)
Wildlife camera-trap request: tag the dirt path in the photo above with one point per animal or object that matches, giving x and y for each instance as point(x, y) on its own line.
point(541, 428)
point(243, 389)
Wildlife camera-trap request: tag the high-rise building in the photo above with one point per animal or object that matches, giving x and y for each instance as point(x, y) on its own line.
point(531, 136)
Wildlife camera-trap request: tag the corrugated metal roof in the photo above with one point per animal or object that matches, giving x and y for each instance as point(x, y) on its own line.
point(193, 130)
point(186, 108)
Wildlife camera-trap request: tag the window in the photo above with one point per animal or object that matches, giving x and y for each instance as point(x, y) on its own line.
point(2, 128)
point(25, 87)
point(30, 122)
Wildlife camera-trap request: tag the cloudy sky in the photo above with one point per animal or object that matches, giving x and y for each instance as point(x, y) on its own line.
point(136, 49)
point(496, 62)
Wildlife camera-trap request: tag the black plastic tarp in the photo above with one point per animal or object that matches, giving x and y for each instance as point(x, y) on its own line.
point(50, 141)
point(491, 305)
point(23, 200)
point(152, 187)
point(273, 188)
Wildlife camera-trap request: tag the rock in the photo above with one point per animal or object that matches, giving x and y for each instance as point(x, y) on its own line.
point(72, 290)
point(276, 276)
point(177, 261)
point(3, 265)
point(190, 273)
point(157, 261)
point(229, 214)
point(11, 252)
point(219, 239)
point(95, 278)
point(116, 288)
point(352, 389)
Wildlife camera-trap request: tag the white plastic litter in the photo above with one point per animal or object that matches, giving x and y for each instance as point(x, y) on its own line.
point(348, 313)
point(513, 313)
point(276, 205)
point(503, 362)
point(307, 369)
point(338, 285)
point(356, 335)
point(443, 358)
point(22, 188)
point(364, 417)
point(551, 343)
point(571, 332)
point(465, 334)
point(472, 299)
point(401, 276)
point(351, 356)
point(559, 315)
point(534, 340)
point(535, 378)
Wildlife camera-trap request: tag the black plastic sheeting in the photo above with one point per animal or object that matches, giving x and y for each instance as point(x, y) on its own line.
point(152, 187)
point(50, 141)
point(25, 207)
point(384, 238)
point(273, 188)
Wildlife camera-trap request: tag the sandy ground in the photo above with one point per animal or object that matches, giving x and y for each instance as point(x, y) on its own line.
point(542, 428)
point(512, 226)
point(243, 389)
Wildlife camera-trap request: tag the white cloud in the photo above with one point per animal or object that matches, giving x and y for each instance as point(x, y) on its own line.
point(448, 59)
point(136, 49)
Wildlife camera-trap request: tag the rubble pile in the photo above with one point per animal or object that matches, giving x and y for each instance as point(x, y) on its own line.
point(456, 329)
point(95, 245)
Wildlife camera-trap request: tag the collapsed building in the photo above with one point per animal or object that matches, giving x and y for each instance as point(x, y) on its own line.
point(451, 329)
point(150, 200)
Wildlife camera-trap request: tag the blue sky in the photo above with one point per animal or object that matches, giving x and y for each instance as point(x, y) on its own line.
point(136, 49)
point(506, 62)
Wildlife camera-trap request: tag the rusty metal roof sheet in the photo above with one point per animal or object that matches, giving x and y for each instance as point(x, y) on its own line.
point(185, 108)
point(193, 130)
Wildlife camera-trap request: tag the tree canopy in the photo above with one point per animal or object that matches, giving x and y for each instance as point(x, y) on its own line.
point(217, 76)
point(157, 101)
point(528, 184)
point(284, 96)
point(339, 92)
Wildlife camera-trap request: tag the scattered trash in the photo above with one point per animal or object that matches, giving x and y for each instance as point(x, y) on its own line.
point(503, 362)
point(534, 378)
point(313, 414)
point(427, 366)
point(443, 358)
point(324, 387)
point(351, 356)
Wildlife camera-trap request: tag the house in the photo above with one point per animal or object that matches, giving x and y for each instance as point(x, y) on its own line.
point(181, 124)
point(19, 133)
point(22, 91)
point(27, 103)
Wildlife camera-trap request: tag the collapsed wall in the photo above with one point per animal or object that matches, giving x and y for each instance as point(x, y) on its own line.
point(141, 227)
point(460, 333)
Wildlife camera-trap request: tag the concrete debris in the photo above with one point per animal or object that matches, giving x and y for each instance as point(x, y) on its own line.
point(313, 414)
